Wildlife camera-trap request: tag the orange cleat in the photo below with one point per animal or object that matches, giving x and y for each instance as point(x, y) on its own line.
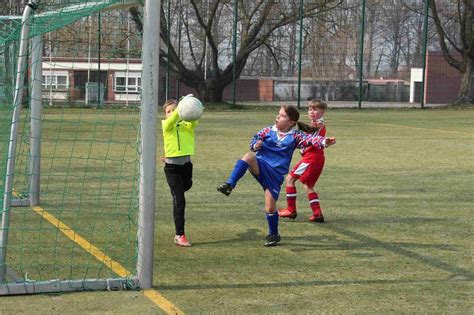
point(317, 218)
point(180, 240)
point(285, 213)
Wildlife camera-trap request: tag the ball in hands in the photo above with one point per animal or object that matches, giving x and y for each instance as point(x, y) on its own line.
point(190, 108)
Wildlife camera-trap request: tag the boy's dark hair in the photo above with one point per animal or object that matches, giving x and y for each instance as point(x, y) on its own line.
point(318, 104)
point(170, 102)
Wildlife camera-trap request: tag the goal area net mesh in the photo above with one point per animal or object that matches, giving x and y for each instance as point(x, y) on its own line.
point(69, 206)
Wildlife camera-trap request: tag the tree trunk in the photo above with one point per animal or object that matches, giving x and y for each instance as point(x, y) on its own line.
point(211, 92)
point(465, 95)
point(214, 92)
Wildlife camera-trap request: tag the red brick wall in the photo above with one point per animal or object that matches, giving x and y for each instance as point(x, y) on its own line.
point(265, 90)
point(442, 81)
point(245, 90)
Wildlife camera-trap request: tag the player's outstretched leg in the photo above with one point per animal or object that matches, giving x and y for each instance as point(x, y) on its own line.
point(225, 188)
point(239, 170)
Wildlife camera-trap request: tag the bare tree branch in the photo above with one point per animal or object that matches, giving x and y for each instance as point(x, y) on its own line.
point(442, 36)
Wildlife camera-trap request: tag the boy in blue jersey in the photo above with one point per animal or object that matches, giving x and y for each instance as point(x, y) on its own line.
point(274, 148)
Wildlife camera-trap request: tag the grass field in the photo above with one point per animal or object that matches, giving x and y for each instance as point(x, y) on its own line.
point(397, 194)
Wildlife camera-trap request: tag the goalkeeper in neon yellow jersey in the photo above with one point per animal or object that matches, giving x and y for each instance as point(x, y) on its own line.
point(178, 140)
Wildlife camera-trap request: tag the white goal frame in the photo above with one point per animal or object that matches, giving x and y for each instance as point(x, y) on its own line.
point(147, 178)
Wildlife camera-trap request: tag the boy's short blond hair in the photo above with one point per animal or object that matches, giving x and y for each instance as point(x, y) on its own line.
point(170, 102)
point(318, 104)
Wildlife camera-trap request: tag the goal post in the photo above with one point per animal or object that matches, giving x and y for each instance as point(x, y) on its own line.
point(59, 226)
point(12, 143)
point(36, 114)
point(146, 220)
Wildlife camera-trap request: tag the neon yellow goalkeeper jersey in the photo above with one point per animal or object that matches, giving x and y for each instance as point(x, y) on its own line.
point(178, 136)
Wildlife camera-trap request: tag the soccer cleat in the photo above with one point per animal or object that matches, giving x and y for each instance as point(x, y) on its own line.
point(285, 213)
point(225, 189)
point(272, 240)
point(317, 218)
point(180, 240)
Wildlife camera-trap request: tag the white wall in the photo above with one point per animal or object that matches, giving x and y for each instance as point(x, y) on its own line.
point(416, 75)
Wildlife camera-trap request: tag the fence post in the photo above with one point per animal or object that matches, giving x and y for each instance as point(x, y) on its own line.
point(361, 50)
point(168, 43)
point(425, 42)
point(300, 51)
point(234, 52)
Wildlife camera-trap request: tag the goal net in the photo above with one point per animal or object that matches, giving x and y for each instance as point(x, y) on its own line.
point(71, 147)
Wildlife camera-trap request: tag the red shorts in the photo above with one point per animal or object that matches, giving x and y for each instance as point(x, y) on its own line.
point(308, 172)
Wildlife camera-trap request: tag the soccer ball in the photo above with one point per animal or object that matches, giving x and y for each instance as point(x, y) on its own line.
point(190, 108)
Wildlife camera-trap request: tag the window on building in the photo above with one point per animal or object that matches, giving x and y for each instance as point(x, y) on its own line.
point(55, 81)
point(127, 83)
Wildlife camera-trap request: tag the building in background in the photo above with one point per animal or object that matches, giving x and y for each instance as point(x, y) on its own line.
point(118, 81)
point(442, 82)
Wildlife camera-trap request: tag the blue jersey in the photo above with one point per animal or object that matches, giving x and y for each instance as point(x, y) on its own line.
point(277, 147)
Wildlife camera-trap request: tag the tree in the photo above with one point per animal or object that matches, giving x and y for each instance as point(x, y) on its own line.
point(458, 15)
point(11, 7)
point(205, 31)
point(332, 42)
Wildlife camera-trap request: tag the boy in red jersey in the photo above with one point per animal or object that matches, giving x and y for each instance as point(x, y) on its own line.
point(308, 169)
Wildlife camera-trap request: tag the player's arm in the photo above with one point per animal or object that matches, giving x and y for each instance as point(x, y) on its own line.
point(322, 131)
point(171, 121)
point(193, 124)
point(330, 141)
point(257, 141)
point(305, 140)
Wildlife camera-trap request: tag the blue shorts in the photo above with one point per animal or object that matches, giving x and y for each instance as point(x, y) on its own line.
point(269, 179)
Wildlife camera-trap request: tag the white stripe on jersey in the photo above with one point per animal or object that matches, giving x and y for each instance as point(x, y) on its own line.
point(314, 200)
point(301, 168)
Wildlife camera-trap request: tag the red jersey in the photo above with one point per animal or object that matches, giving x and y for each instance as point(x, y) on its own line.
point(313, 153)
point(309, 168)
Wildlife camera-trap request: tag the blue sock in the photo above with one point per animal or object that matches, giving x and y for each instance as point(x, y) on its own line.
point(272, 219)
point(239, 170)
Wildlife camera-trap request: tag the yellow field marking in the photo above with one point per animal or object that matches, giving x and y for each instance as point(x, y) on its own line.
point(88, 247)
point(409, 127)
point(152, 295)
point(164, 304)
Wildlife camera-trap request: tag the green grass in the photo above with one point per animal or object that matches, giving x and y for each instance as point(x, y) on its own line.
point(397, 195)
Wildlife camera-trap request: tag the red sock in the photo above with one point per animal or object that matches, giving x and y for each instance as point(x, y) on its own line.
point(314, 203)
point(291, 198)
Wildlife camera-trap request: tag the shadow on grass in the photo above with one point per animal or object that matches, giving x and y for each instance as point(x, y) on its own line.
point(349, 245)
point(299, 284)
point(360, 241)
point(250, 235)
point(366, 221)
point(398, 248)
